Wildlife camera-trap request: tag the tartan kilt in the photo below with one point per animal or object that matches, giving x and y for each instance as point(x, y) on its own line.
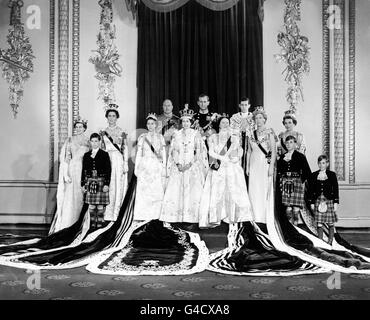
point(99, 197)
point(292, 192)
point(329, 216)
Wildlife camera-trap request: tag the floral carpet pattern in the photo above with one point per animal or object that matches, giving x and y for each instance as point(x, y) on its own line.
point(76, 284)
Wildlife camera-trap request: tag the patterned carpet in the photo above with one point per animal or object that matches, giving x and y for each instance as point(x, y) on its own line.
point(78, 283)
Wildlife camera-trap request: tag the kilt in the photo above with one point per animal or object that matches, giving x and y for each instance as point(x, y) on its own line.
point(329, 216)
point(292, 192)
point(97, 197)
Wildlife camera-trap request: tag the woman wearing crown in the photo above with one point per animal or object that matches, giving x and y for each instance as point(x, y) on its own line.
point(225, 196)
point(260, 169)
point(186, 168)
point(289, 122)
point(69, 194)
point(114, 141)
point(150, 170)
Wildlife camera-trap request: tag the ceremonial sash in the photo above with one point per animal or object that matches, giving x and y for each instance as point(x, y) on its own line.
point(267, 154)
point(114, 144)
point(158, 155)
point(215, 165)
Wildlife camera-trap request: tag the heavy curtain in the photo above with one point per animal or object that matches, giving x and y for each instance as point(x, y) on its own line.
point(169, 5)
point(192, 50)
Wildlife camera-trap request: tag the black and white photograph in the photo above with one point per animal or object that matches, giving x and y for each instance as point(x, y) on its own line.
point(202, 152)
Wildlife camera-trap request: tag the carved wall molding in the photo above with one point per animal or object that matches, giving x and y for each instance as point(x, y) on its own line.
point(75, 59)
point(325, 80)
point(339, 39)
point(63, 70)
point(338, 110)
point(352, 91)
point(52, 97)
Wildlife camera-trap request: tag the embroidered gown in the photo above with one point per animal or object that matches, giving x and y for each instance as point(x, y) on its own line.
point(118, 155)
point(261, 193)
point(70, 195)
point(184, 189)
point(225, 196)
point(150, 170)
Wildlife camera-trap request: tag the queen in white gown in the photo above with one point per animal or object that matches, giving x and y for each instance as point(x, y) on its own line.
point(150, 170)
point(225, 196)
point(69, 194)
point(261, 165)
point(187, 167)
point(115, 143)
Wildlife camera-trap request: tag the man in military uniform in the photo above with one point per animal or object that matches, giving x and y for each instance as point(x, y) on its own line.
point(168, 123)
point(204, 120)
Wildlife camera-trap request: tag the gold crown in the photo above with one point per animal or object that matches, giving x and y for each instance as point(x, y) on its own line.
point(111, 106)
point(79, 119)
point(152, 115)
point(186, 112)
point(223, 115)
point(290, 113)
point(259, 109)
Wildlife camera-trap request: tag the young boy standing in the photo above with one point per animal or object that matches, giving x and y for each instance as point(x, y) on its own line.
point(96, 172)
point(324, 197)
point(293, 170)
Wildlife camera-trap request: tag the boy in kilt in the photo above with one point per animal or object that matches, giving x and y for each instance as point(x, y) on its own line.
point(323, 195)
point(95, 179)
point(293, 171)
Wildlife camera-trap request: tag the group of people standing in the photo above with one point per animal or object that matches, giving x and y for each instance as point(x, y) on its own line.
point(93, 170)
point(199, 168)
point(214, 168)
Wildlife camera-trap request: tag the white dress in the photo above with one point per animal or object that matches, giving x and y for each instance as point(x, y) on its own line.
point(184, 189)
point(225, 196)
point(150, 170)
point(261, 188)
point(69, 194)
point(119, 164)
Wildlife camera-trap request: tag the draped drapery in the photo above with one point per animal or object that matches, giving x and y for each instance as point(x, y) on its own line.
point(169, 5)
point(192, 50)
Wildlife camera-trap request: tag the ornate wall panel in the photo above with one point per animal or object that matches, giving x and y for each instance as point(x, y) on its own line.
point(75, 58)
point(339, 92)
point(338, 81)
point(352, 91)
point(63, 69)
point(325, 80)
point(52, 89)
